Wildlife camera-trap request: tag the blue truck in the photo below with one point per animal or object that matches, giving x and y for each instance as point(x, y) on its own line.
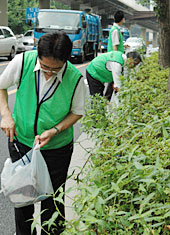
point(83, 29)
point(104, 39)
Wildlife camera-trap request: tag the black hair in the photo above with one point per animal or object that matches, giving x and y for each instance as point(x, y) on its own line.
point(134, 55)
point(57, 45)
point(119, 15)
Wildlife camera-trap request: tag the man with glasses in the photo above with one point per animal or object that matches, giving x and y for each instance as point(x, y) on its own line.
point(49, 100)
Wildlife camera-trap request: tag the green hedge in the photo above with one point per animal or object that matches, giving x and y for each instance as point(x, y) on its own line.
point(127, 187)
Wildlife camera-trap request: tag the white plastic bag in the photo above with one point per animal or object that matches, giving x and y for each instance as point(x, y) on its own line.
point(115, 100)
point(26, 184)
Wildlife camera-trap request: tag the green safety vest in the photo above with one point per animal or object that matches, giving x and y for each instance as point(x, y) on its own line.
point(120, 47)
point(97, 68)
point(32, 118)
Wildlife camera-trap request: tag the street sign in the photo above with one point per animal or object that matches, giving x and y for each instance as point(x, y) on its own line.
point(31, 13)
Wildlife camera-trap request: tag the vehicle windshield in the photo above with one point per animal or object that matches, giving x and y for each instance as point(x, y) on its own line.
point(69, 22)
point(28, 34)
point(134, 40)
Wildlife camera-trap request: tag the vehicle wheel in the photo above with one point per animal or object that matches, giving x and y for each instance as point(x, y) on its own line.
point(81, 58)
point(12, 54)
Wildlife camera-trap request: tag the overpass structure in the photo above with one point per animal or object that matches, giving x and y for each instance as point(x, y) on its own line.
point(134, 13)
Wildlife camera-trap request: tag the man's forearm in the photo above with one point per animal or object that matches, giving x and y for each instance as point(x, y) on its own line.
point(69, 121)
point(4, 108)
point(45, 137)
point(7, 123)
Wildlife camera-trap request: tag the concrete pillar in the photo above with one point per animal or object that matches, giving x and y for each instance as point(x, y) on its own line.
point(155, 39)
point(143, 33)
point(129, 27)
point(4, 12)
point(75, 4)
point(44, 4)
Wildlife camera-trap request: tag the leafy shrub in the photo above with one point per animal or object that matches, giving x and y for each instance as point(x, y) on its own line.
point(127, 188)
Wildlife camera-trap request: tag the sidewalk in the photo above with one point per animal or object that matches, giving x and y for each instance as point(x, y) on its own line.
point(79, 158)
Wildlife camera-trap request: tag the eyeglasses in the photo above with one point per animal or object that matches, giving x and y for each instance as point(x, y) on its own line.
point(49, 71)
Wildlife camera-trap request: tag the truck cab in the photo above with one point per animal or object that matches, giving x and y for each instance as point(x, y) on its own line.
point(82, 29)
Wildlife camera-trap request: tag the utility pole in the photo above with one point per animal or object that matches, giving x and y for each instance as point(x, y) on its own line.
point(4, 12)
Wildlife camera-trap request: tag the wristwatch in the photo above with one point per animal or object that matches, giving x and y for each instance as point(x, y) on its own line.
point(57, 130)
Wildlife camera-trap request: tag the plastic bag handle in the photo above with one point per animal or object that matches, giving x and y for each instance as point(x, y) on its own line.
point(22, 149)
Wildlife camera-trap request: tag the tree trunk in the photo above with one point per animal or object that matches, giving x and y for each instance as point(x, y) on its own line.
point(164, 32)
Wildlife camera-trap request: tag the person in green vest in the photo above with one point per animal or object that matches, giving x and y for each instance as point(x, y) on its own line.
point(105, 68)
point(50, 98)
point(115, 41)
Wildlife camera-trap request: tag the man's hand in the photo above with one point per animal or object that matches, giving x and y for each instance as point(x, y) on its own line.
point(126, 46)
point(45, 137)
point(8, 126)
point(116, 89)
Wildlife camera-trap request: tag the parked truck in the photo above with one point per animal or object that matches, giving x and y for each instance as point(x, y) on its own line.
point(83, 29)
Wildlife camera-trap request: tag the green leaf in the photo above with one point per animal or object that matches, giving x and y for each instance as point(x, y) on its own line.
point(110, 197)
point(121, 213)
point(125, 191)
point(138, 165)
point(165, 133)
point(52, 220)
point(115, 187)
point(148, 181)
point(122, 177)
point(35, 222)
point(157, 224)
point(142, 188)
point(146, 201)
point(134, 217)
point(81, 226)
point(58, 199)
point(167, 214)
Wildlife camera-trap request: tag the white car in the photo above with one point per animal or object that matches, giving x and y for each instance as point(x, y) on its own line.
point(135, 44)
point(8, 43)
point(26, 41)
point(151, 49)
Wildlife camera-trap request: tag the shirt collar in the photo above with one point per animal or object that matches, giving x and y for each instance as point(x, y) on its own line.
point(59, 74)
point(115, 24)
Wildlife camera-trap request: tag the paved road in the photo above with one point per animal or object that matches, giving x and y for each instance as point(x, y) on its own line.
point(7, 226)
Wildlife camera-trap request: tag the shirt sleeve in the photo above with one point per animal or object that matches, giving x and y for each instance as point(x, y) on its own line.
point(11, 74)
point(115, 37)
point(116, 69)
point(80, 95)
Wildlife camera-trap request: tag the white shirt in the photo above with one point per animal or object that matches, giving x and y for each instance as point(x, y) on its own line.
point(11, 76)
point(115, 36)
point(116, 70)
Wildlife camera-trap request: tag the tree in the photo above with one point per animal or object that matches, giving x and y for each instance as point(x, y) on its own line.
point(162, 10)
point(58, 5)
point(17, 13)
